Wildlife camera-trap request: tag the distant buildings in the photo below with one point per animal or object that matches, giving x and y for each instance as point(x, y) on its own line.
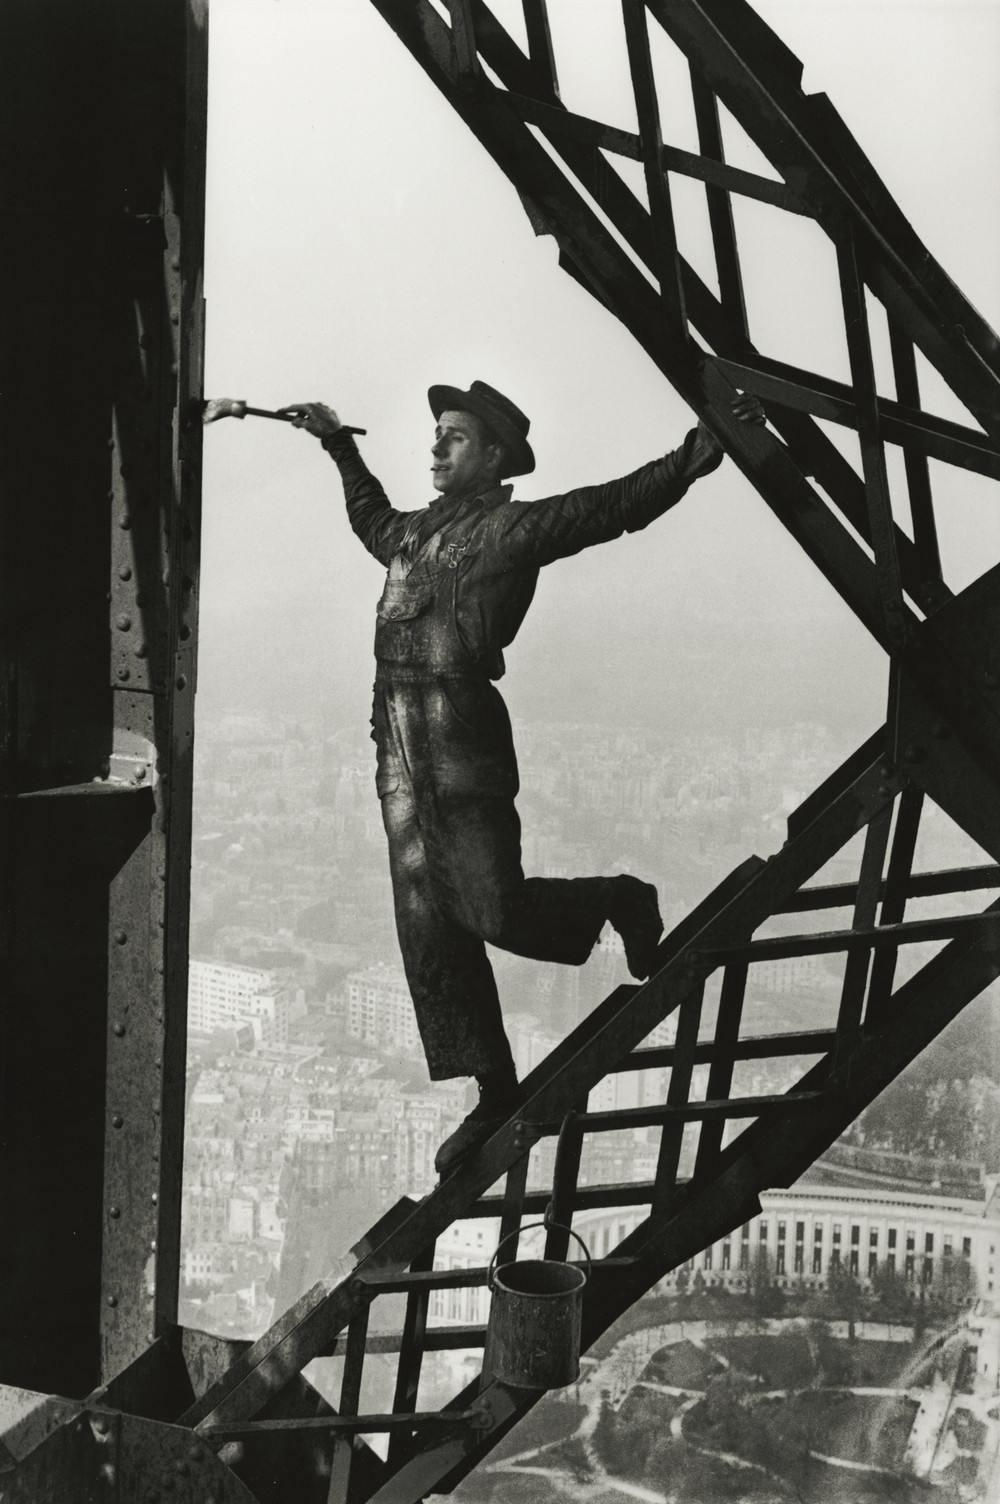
point(223, 997)
point(379, 1010)
point(926, 1238)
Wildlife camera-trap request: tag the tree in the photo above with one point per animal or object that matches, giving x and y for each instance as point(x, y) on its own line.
point(890, 1293)
point(846, 1297)
point(764, 1297)
point(957, 1281)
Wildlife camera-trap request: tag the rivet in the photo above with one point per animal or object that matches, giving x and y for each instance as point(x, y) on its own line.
point(158, 968)
point(883, 791)
point(123, 672)
point(101, 1425)
point(173, 369)
point(111, 443)
point(175, 317)
point(114, 1211)
point(125, 572)
point(156, 1109)
point(181, 682)
point(154, 1198)
point(109, 495)
point(125, 521)
point(175, 262)
point(141, 650)
point(162, 874)
point(185, 633)
point(194, 1451)
point(181, 1468)
point(112, 1301)
point(117, 1120)
point(140, 774)
point(159, 1012)
point(121, 936)
point(120, 1030)
point(158, 1064)
point(123, 623)
point(914, 752)
point(152, 1244)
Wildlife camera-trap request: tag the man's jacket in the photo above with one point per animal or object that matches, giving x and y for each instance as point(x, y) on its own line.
point(462, 571)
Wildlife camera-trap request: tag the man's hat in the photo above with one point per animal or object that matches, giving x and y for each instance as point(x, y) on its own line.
point(497, 412)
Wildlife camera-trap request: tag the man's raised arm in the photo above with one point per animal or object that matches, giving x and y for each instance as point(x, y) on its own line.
point(375, 521)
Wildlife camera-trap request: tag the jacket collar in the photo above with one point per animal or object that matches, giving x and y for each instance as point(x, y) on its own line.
point(494, 496)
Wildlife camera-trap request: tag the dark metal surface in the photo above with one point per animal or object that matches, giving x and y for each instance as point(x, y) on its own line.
point(101, 178)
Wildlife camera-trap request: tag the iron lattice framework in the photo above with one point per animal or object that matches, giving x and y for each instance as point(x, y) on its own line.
point(939, 744)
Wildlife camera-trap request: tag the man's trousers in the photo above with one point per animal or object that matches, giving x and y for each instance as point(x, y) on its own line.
point(447, 777)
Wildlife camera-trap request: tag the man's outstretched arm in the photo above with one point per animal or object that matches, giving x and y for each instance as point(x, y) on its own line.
point(537, 533)
point(376, 522)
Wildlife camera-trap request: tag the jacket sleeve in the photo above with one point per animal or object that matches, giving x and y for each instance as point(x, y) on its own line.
point(534, 533)
point(378, 524)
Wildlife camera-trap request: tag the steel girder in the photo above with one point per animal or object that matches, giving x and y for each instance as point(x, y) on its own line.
point(102, 185)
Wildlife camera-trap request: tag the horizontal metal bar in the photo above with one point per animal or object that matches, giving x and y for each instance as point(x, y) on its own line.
point(348, 1424)
point(805, 391)
point(97, 789)
point(692, 1112)
point(437, 1339)
point(758, 1047)
point(558, 122)
point(395, 1280)
point(919, 885)
point(585, 1199)
point(782, 947)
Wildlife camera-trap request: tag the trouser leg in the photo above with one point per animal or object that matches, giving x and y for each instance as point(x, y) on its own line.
point(474, 857)
point(450, 978)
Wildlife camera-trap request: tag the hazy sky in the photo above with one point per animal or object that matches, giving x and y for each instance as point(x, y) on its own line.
point(362, 245)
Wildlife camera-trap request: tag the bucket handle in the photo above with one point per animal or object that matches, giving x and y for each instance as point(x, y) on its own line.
point(491, 1273)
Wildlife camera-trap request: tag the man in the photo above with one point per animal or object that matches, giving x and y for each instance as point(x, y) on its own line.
point(461, 575)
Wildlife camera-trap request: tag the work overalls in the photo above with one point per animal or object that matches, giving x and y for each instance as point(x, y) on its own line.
point(447, 777)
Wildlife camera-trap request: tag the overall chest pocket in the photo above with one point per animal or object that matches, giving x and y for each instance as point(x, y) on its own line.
point(402, 601)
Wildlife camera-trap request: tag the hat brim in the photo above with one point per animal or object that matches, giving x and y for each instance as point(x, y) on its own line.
point(519, 458)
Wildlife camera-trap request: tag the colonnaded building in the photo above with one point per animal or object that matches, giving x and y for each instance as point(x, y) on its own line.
point(933, 1223)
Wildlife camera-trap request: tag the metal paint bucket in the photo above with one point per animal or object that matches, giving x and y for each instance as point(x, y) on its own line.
point(533, 1336)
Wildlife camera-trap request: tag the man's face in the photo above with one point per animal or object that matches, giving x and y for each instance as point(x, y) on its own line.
point(461, 456)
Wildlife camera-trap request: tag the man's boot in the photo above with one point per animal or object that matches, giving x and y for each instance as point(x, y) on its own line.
point(499, 1098)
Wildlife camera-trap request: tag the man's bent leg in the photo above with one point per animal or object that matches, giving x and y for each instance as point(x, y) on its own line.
point(475, 862)
point(450, 978)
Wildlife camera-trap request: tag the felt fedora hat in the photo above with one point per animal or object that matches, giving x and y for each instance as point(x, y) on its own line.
point(497, 412)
